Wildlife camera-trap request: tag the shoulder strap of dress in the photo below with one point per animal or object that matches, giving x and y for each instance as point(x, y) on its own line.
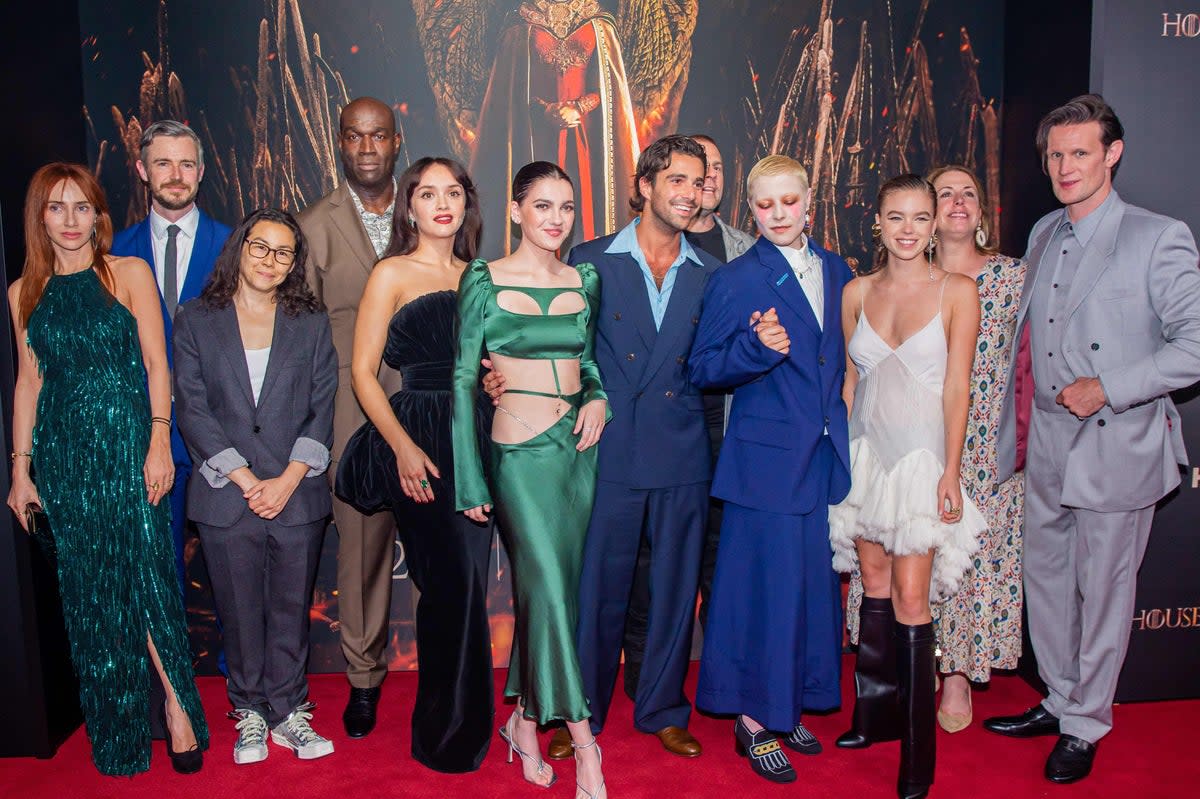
point(942, 291)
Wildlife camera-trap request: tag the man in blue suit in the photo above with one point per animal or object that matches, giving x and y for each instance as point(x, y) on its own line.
point(771, 331)
point(654, 459)
point(181, 243)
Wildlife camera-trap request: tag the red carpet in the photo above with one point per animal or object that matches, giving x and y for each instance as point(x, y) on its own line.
point(1149, 755)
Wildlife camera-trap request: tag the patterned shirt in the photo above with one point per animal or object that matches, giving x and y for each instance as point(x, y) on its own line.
point(378, 226)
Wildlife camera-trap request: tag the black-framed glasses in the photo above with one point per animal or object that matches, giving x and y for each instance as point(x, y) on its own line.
point(260, 249)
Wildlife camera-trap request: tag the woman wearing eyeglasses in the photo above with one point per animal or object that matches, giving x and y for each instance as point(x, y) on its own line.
point(255, 376)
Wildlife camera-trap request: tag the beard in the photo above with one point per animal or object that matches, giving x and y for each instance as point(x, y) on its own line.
point(176, 202)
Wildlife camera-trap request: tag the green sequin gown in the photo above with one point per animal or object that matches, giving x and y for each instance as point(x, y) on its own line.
point(116, 567)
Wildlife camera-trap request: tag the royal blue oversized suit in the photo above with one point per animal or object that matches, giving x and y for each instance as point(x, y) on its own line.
point(654, 473)
point(773, 642)
point(136, 240)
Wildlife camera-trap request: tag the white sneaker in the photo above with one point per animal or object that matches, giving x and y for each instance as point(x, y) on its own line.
point(297, 734)
point(251, 744)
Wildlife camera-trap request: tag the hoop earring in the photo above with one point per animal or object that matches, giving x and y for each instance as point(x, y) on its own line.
point(981, 237)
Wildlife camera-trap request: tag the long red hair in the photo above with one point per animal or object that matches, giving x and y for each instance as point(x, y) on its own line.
point(39, 252)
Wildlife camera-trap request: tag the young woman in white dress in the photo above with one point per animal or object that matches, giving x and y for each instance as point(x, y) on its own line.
point(910, 332)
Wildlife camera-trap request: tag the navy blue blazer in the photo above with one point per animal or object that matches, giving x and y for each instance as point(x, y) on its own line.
point(210, 238)
point(782, 404)
point(656, 437)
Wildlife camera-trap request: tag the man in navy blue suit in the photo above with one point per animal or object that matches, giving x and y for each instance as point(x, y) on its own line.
point(654, 458)
point(181, 243)
point(771, 331)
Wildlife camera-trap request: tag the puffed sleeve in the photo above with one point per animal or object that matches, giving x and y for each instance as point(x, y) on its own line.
point(470, 486)
point(589, 372)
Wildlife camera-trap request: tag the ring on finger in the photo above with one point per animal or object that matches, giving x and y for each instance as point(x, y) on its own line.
point(424, 484)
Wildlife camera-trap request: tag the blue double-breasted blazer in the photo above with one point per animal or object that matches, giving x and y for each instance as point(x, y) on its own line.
point(782, 404)
point(656, 437)
point(136, 240)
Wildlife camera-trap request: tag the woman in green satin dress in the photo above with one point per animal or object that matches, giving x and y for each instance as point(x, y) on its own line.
point(90, 329)
point(534, 316)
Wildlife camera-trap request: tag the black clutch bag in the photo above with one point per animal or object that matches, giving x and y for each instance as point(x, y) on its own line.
point(38, 526)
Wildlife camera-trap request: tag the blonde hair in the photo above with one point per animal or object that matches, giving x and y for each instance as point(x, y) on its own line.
point(774, 165)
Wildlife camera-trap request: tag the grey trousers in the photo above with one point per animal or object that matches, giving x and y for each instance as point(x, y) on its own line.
point(1080, 570)
point(262, 576)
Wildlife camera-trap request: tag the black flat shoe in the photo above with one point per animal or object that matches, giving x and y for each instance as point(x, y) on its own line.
point(767, 758)
point(1070, 760)
point(359, 716)
point(188, 762)
point(802, 741)
point(1030, 724)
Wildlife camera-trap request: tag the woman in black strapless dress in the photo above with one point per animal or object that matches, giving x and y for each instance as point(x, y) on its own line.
point(402, 457)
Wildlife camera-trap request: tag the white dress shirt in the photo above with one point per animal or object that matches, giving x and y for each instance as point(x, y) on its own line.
point(183, 245)
point(806, 266)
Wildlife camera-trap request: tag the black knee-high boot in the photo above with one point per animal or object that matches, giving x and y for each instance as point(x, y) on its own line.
point(918, 742)
point(876, 709)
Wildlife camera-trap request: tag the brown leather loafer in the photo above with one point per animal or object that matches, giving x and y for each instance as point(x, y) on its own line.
point(560, 745)
point(678, 741)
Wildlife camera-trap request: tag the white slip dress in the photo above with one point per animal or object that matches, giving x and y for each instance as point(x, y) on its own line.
point(897, 456)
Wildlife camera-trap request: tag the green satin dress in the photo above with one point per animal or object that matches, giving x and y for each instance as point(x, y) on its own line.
point(543, 488)
point(116, 564)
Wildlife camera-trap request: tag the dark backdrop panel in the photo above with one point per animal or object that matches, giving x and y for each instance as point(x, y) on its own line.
point(1145, 59)
point(858, 90)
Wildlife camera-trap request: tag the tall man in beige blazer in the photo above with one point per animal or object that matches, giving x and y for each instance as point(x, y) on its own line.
point(347, 231)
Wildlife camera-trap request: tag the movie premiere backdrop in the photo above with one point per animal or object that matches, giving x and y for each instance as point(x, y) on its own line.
point(858, 90)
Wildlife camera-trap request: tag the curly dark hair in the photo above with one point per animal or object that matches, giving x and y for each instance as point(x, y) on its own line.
point(657, 157)
point(293, 295)
point(405, 237)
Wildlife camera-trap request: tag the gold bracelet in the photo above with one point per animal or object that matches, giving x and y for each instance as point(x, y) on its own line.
point(16, 455)
point(161, 420)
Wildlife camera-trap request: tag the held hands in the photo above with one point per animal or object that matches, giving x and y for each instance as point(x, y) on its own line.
point(493, 382)
point(590, 423)
point(414, 468)
point(1083, 397)
point(949, 497)
point(478, 513)
point(770, 332)
point(268, 497)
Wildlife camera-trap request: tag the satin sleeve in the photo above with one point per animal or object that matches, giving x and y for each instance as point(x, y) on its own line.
point(470, 485)
point(589, 373)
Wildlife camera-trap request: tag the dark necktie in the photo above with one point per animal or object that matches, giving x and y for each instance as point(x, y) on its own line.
point(170, 275)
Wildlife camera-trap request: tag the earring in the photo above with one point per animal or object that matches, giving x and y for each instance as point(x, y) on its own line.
point(981, 237)
point(876, 231)
point(929, 253)
point(412, 223)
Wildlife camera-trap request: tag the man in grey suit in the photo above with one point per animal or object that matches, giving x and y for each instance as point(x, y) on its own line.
point(1111, 319)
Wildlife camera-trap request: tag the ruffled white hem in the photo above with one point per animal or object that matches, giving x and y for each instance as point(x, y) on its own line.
point(895, 508)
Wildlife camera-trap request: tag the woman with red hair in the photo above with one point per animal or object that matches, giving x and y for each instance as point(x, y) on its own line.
point(92, 447)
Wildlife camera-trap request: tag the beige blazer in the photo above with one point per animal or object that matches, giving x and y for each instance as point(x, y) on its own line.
point(340, 259)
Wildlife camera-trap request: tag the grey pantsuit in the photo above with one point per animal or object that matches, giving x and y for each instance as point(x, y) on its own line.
point(1115, 296)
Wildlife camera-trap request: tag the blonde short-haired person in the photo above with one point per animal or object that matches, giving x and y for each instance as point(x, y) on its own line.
point(771, 332)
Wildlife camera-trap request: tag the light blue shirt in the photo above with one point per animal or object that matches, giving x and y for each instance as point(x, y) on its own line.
point(626, 241)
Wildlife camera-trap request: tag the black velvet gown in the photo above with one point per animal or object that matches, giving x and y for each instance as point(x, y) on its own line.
point(447, 554)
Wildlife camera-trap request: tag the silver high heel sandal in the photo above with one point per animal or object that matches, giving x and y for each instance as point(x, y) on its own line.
point(506, 734)
point(599, 754)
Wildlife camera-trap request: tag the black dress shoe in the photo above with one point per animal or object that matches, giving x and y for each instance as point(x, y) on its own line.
point(767, 758)
point(359, 716)
point(1030, 724)
point(1070, 760)
point(802, 741)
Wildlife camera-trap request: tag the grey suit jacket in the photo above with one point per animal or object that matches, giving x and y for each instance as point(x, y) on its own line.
point(1133, 320)
point(225, 429)
point(736, 241)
